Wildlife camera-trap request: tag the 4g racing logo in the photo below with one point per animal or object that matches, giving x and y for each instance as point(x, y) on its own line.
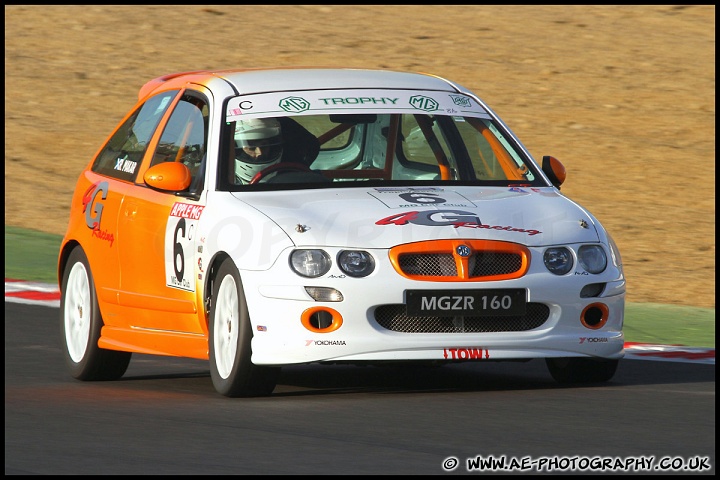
point(93, 208)
point(454, 218)
point(432, 218)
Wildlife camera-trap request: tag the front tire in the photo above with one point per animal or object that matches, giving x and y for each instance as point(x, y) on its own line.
point(81, 322)
point(233, 373)
point(581, 370)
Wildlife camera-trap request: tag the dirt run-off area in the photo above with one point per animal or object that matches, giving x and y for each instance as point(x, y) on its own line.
point(624, 96)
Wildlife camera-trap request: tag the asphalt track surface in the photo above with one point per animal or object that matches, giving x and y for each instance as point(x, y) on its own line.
point(164, 417)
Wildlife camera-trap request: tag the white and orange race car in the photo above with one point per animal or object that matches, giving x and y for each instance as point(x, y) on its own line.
point(267, 217)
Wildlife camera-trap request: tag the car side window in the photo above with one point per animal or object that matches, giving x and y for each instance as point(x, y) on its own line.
point(185, 137)
point(124, 151)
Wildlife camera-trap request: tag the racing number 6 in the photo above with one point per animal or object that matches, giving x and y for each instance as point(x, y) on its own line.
point(417, 197)
point(178, 256)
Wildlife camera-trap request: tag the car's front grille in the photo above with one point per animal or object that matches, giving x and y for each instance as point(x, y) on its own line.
point(460, 260)
point(481, 264)
point(393, 317)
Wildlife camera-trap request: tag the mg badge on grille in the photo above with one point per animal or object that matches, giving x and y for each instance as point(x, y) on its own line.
point(463, 250)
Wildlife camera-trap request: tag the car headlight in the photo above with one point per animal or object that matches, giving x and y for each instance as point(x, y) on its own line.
point(356, 263)
point(310, 263)
point(558, 260)
point(615, 252)
point(592, 258)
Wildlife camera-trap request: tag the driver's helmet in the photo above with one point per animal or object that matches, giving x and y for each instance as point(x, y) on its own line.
point(258, 144)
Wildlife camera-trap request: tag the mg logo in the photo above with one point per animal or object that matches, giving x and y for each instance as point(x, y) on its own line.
point(424, 103)
point(461, 101)
point(294, 104)
point(463, 250)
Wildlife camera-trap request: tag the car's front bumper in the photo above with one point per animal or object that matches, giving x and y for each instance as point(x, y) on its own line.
point(281, 336)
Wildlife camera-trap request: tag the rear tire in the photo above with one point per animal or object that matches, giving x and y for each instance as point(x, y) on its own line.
point(233, 373)
point(581, 370)
point(81, 322)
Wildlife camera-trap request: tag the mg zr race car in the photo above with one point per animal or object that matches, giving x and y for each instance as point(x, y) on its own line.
point(268, 217)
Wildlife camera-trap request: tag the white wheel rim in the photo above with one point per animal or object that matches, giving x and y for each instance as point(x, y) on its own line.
point(77, 313)
point(226, 326)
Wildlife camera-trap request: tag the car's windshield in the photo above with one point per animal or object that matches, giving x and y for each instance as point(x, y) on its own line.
point(379, 145)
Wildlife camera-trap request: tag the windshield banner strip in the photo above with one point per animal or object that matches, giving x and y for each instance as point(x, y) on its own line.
point(313, 102)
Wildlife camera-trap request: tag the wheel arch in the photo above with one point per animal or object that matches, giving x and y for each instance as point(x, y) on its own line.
point(210, 278)
point(65, 250)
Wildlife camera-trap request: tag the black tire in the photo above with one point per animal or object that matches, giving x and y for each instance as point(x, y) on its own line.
point(81, 322)
point(581, 370)
point(233, 373)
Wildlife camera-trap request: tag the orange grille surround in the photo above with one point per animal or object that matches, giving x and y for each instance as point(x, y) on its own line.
point(459, 268)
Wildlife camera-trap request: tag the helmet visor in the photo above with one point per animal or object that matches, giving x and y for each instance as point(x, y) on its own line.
point(259, 151)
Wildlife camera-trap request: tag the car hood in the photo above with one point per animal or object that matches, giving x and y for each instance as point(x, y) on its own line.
point(384, 217)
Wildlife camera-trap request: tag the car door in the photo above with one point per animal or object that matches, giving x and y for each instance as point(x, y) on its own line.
point(156, 229)
point(113, 175)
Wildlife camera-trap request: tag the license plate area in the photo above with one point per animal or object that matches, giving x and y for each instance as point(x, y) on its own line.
point(471, 302)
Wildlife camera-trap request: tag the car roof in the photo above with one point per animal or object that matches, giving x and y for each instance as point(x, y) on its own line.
point(259, 80)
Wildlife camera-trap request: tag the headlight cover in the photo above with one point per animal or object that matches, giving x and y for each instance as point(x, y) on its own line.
point(356, 263)
point(592, 258)
point(615, 252)
point(310, 263)
point(558, 260)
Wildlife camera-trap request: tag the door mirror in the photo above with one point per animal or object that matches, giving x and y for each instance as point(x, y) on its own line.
point(554, 169)
point(168, 176)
